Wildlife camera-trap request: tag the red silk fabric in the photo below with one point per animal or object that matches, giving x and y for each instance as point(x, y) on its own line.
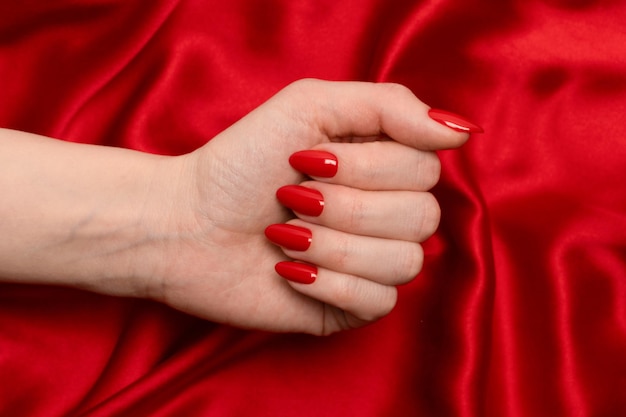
point(521, 308)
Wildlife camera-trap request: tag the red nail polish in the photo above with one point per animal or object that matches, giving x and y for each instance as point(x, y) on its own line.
point(301, 199)
point(315, 163)
point(454, 121)
point(297, 272)
point(289, 236)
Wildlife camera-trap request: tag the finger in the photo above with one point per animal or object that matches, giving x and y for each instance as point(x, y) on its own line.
point(386, 261)
point(370, 166)
point(366, 301)
point(401, 215)
point(345, 109)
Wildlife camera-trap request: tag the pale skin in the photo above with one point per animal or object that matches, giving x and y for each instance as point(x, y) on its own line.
point(188, 231)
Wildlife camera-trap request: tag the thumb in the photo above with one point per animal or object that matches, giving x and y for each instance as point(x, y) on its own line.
point(361, 109)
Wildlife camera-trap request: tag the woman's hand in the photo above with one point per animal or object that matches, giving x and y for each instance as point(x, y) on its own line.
point(190, 231)
point(210, 255)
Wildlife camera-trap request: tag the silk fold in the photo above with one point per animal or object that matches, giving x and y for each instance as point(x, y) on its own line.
point(521, 307)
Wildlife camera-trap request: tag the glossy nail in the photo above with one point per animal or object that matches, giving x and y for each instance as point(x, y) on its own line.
point(315, 163)
point(297, 272)
point(454, 121)
point(301, 199)
point(289, 236)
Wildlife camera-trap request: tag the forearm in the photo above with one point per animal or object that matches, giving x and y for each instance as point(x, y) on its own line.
point(73, 214)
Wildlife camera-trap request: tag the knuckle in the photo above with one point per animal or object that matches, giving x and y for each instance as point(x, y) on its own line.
point(299, 102)
point(410, 260)
point(430, 217)
point(388, 302)
point(395, 89)
point(424, 170)
point(301, 96)
point(383, 303)
point(429, 170)
point(368, 165)
point(423, 217)
point(303, 85)
point(340, 256)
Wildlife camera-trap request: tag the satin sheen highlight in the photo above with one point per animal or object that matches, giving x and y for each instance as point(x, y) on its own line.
point(520, 309)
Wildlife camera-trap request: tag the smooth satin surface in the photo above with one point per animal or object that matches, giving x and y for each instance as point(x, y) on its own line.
point(521, 307)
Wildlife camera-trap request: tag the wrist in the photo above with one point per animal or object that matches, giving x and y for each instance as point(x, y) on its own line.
point(112, 230)
point(135, 243)
point(163, 220)
point(81, 215)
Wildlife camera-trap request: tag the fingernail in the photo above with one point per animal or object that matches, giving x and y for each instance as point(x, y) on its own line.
point(297, 272)
point(315, 163)
point(454, 121)
point(301, 199)
point(289, 236)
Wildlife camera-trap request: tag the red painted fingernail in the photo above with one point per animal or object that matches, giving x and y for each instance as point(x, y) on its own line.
point(289, 236)
point(301, 199)
point(297, 272)
point(315, 163)
point(454, 121)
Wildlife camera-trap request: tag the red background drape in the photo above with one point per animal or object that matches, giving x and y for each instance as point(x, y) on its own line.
point(521, 308)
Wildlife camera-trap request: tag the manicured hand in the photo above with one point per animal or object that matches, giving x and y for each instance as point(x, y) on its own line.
point(339, 172)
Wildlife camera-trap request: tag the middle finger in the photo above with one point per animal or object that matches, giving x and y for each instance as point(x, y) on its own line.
point(402, 215)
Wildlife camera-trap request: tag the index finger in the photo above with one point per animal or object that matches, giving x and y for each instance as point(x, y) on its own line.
point(385, 165)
